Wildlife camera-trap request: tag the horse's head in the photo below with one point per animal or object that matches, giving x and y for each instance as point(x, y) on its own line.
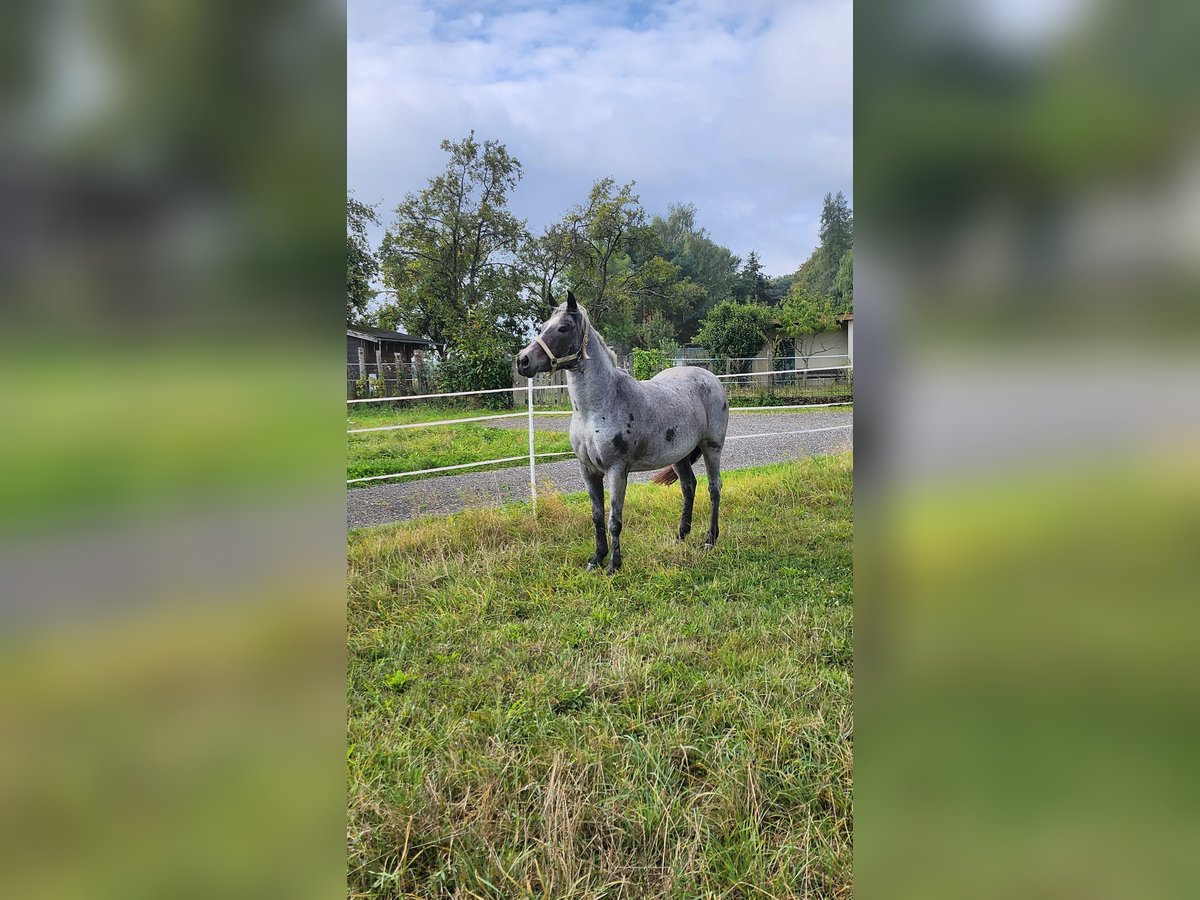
point(560, 345)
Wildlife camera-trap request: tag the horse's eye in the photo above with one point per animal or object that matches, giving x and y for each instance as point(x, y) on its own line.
point(562, 328)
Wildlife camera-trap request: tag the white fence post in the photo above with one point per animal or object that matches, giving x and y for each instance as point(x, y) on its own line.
point(532, 477)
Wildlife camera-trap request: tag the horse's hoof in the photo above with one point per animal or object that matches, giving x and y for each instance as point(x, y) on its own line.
point(708, 545)
point(592, 566)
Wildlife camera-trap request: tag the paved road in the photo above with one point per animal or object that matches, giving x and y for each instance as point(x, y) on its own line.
point(404, 499)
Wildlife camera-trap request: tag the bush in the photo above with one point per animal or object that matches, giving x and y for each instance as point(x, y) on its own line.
point(648, 363)
point(734, 330)
point(479, 358)
point(464, 370)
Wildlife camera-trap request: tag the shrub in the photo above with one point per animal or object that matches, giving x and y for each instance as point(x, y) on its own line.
point(648, 363)
point(478, 359)
point(467, 370)
point(734, 330)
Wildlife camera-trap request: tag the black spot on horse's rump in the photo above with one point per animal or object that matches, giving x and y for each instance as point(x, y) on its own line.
point(725, 406)
point(631, 417)
point(670, 435)
point(619, 443)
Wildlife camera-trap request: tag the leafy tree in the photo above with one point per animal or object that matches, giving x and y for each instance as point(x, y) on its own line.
point(732, 330)
point(545, 258)
point(751, 285)
point(451, 253)
point(655, 333)
point(843, 283)
point(778, 287)
point(602, 230)
point(479, 359)
point(707, 264)
point(362, 266)
point(806, 316)
point(819, 271)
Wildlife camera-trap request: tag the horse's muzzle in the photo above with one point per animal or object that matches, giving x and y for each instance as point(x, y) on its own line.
point(531, 361)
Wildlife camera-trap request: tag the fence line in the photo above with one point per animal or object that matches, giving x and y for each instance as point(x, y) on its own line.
point(487, 462)
point(783, 372)
point(790, 406)
point(470, 465)
point(739, 437)
point(536, 412)
point(536, 387)
point(690, 359)
point(563, 387)
point(530, 412)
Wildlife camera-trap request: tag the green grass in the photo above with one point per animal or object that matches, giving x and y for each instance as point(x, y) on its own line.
point(409, 450)
point(368, 415)
point(520, 727)
point(386, 452)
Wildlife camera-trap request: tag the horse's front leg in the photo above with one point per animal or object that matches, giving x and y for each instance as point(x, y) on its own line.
point(617, 478)
point(595, 488)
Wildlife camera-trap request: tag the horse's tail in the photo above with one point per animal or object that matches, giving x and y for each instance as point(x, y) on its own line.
point(669, 475)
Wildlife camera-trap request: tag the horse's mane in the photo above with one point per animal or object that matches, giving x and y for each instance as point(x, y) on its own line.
point(612, 354)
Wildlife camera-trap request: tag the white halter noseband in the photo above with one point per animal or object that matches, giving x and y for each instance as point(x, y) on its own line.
point(557, 361)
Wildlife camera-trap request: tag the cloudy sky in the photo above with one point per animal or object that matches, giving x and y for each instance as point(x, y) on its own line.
point(742, 107)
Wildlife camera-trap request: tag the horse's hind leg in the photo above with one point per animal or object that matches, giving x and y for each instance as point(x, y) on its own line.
point(595, 487)
point(617, 479)
point(712, 464)
point(687, 482)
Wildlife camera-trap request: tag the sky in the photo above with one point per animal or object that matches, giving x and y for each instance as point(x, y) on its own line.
point(741, 107)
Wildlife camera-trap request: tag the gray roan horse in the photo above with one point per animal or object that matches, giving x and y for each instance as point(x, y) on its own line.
point(621, 425)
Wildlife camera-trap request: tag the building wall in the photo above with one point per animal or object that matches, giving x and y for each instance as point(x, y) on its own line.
point(827, 343)
point(834, 344)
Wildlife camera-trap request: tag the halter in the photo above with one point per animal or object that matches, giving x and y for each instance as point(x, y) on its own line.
point(557, 361)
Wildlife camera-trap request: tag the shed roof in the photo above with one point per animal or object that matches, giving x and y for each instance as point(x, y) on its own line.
point(370, 333)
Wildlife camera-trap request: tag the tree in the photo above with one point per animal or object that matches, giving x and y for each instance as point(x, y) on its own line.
point(806, 316)
point(843, 283)
point(362, 266)
point(778, 287)
point(602, 233)
point(451, 253)
point(656, 333)
point(819, 271)
point(545, 258)
point(734, 330)
point(751, 285)
point(707, 264)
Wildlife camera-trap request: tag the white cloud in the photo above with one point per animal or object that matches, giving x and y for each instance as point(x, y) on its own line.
point(741, 108)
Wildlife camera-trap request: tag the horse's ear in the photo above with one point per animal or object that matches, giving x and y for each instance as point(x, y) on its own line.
point(572, 306)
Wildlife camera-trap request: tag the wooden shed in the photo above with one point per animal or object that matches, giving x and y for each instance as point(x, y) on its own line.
point(377, 358)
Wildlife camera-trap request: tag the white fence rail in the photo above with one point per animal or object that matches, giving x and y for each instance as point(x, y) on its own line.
point(530, 412)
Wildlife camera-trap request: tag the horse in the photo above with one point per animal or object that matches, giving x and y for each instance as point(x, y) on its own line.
point(621, 425)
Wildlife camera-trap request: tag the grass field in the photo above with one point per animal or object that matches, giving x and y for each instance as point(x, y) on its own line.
point(519, 727)
point(410, 450)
